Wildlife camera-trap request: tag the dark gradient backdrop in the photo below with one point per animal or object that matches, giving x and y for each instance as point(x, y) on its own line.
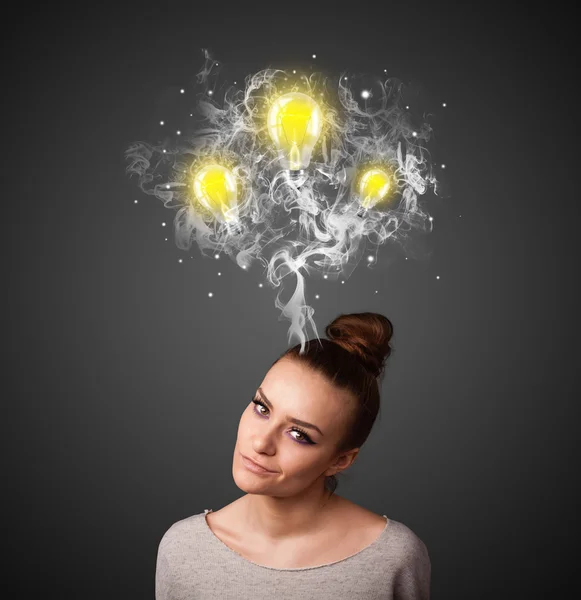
point(125, 381)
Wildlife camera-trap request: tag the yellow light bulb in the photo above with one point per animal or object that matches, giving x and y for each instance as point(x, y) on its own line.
point(294, 123)
point(373, 187)
point(214, 186)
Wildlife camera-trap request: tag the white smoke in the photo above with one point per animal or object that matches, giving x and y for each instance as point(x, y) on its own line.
point(293, 226)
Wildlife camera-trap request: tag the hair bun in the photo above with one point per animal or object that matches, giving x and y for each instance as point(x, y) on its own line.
point(366, 336)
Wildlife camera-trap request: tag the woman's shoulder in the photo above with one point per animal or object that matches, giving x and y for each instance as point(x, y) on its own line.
point(400, 538)
point(182, 529)
point(407, 544)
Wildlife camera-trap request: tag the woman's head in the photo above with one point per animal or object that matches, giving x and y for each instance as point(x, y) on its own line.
point(332, 385)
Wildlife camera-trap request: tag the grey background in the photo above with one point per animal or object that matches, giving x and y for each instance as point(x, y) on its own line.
point(125, 381)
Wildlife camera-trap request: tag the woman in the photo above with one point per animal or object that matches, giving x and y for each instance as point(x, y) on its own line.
point(290, 535)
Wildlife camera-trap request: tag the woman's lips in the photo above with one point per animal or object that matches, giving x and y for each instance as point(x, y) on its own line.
point(252, 466)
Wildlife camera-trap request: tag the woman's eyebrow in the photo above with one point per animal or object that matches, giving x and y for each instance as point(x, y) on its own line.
point(290, 419)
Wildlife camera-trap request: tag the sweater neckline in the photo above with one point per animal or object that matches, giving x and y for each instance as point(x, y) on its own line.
point(372, 544)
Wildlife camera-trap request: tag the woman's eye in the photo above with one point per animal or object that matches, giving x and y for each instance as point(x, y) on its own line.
point(306, 439)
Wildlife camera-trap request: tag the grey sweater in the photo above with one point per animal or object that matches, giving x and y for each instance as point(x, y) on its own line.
point(193, 563)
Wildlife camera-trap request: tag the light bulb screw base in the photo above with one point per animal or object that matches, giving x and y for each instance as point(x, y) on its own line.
point(295, 175)
point(234, 227)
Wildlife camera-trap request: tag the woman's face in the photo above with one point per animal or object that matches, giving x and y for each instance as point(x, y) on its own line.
point(299, 455)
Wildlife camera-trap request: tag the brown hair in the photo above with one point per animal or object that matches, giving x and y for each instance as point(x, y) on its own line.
point(353, 359)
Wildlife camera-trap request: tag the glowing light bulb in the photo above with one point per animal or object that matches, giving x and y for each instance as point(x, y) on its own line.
point(374, 185)
point(294, 123)
point(214, 186)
